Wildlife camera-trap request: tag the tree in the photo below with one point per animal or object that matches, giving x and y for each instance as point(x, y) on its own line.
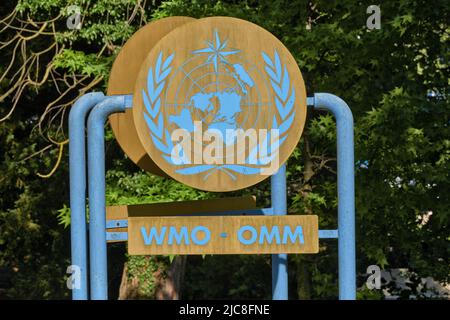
point(395, 79)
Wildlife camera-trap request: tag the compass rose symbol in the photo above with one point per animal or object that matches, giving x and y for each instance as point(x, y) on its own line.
point(216, 50)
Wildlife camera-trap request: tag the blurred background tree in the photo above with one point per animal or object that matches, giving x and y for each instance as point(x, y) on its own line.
point(395, 79)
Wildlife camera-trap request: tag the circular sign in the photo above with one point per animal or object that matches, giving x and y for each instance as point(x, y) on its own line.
point(219, 104)
point(121, 81)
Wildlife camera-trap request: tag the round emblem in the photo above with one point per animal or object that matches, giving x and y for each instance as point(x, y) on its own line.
point(122, 79)
point(219, 104)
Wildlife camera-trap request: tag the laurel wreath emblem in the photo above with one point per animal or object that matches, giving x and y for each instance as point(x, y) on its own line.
point(284, 99)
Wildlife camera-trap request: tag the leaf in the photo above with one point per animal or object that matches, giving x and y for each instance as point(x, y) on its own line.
point(168, 139)
point(285, 84)
point(150, 82)
point(155, 94)
point(195, 169)
point(155, 129)
point(276, 88)
point(158, 66)
point(274, 122)
point(267, 60)
point(64, 216)
point(271, 74)
point(285, 125)
point(277, 64)
point(159, 145)
point(148, 106)
point(168, 61)
point(164, 74)
point(242, 169)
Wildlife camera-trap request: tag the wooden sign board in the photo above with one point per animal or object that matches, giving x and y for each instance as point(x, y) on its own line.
point(219, 104)
point(122, 79)
point(223, 235)
point(177, 208)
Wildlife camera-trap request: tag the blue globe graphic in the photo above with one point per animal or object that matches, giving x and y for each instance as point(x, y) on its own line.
point(217, 99)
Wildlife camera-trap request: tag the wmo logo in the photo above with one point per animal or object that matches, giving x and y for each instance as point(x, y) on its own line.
point(209, 129)
point(222, 110)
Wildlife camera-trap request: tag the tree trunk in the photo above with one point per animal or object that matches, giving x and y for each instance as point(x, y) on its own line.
point(307, 175)
point(128, 289)
point(302, 268)
point(303, 278)
point(169, 288)
point(168, 284)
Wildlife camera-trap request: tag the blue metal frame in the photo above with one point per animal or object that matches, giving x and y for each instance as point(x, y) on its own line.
point(96, 184)
point(279, 261)
point(346, 191)
point(77, 164)
point(98, 225)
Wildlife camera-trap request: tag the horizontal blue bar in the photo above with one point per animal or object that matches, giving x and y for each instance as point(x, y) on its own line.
point(128, 101)
point(117, 236)
point(111, 224)
point(328, 234)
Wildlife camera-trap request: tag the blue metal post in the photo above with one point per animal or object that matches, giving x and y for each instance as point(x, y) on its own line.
point(279, 261)
point(346, 191)
point(77, 165)
point(96, 184)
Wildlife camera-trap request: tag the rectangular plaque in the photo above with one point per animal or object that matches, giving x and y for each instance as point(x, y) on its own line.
point(223, 235)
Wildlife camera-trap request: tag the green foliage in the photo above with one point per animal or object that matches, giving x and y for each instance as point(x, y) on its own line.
point(402, 146)
point(139, 187)
point(63, 216)
point(367, 294)
point(81, 63)
point(34, 248)
point(35, 7)
point(145, 268)
point(103, 20)
point(215, 277)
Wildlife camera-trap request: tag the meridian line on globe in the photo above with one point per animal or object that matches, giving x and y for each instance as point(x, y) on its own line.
point(187, 75)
